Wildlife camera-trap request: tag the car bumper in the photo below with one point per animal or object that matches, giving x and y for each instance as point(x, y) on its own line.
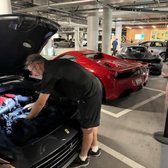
point(54, 150)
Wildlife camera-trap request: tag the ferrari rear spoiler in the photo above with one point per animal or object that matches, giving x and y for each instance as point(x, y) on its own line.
point(130, 69)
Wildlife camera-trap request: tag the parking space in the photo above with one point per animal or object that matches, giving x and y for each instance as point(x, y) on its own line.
point(127, 128)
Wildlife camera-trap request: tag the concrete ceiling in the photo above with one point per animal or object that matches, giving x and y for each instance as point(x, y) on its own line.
point(76, 11)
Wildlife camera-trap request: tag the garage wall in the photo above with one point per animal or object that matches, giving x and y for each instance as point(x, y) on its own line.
point(149, 34)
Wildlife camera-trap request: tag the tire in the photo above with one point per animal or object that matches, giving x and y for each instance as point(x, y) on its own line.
point(163, 55)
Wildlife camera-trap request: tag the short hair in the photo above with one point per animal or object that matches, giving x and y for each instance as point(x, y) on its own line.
point(34, 59)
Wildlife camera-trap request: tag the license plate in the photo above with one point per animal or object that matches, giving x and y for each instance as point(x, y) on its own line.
point(138, 81)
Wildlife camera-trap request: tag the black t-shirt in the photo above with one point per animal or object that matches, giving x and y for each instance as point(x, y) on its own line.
point(68, 79)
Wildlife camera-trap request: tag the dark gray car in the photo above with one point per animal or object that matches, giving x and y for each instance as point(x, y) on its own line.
point(62, 43)
point(141, 53)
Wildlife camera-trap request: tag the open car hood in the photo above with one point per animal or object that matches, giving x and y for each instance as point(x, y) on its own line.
point(20, 36)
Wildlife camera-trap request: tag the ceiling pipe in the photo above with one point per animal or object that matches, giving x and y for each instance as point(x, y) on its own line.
point(85, 10)
point(62, 4)
point(130, 9)
point(49, 7)
point(142, 20)
point(72, 24)
point(141, 10)
point(41, 2)
point(65, 12)
point(146, 3)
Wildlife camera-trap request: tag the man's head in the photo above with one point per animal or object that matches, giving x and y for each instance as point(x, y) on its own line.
point(35, 64)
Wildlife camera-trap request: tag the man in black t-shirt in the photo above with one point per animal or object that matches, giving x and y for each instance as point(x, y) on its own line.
point(70, 80)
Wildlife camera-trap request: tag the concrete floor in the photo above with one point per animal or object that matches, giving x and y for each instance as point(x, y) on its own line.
point(127, 128)
point(128, 125)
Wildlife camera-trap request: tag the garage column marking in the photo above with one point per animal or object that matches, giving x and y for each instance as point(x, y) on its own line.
point(120, 156)
point(125, 111)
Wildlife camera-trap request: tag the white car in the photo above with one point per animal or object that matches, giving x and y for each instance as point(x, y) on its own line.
point(155, 47)
point(84, 42)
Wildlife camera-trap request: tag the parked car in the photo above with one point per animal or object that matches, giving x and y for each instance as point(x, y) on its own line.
point(117, 76)
point(53, 138)
point(155, 47)
point(141, 53)
point(84, 42)
point(63, 43)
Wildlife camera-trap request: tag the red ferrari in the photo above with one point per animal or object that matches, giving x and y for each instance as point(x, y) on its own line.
point(117, 76)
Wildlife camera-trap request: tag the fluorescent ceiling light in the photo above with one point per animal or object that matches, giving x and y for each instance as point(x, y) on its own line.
point(141, 27)
point(100, 10)
point(127, 27)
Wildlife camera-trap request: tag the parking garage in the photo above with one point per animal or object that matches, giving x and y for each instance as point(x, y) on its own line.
point(133, 130)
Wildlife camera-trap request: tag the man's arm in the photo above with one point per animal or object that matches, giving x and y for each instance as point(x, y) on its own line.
point(38, 105)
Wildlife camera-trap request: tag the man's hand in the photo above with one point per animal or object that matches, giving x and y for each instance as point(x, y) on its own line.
point(28, 106)
point(38, 105)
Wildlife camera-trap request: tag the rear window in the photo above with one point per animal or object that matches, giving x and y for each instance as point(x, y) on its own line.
point(67, 56)
point(147, 44)
point(136, 49)
point(94, 56)
point(59, 40)
point(132, 52)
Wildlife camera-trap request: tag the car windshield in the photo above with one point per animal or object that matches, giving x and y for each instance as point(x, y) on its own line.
point(60, 40)
point(133, 52)
point(94, 55)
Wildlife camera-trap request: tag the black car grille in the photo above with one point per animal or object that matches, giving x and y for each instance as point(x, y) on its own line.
point(58, 158)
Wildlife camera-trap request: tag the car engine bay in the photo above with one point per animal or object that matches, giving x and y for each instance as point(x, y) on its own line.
point(14, 95)
point(11, 110)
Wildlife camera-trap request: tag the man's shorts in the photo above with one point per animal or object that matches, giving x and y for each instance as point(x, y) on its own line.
point(90, 108)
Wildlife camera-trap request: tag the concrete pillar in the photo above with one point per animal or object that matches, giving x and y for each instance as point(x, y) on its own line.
point(81, 39)
point(5, 7)
point(107, 27)
point(118, 33)
point(92, 31)
point(77, 38)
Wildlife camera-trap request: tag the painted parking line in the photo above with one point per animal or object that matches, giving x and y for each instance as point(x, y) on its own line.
point(120, 156)
point(157, 90)
point(154, 78)
point(125, 111)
